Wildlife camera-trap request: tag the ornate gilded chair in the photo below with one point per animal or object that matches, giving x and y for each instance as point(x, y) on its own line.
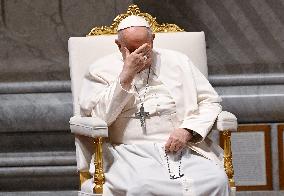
point(89, 132)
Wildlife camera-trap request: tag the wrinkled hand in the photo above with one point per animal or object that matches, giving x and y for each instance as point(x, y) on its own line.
point(177, 140)
point(135, 62)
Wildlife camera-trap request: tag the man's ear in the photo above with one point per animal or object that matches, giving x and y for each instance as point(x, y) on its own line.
point(153, 36)
point(118, 44)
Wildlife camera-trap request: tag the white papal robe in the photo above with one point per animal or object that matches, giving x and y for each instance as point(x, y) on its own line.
point(178, 96)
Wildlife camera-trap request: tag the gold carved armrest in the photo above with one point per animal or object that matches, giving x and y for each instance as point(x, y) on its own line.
point(97, 129)
point(226, 123)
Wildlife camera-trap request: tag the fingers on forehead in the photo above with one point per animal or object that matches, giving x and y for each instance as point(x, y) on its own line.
point(142, 49)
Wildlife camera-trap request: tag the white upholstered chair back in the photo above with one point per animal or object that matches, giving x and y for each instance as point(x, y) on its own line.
point(83, 51)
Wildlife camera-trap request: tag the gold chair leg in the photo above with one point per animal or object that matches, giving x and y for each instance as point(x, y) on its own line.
point(99, 177)
point(228, 161)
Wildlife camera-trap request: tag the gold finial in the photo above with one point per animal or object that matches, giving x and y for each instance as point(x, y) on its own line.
point(134, 10)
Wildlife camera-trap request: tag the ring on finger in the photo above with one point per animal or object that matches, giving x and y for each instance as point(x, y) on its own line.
point(145, 58)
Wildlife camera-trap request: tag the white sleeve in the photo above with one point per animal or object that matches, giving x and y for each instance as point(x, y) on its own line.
point(202, 120)
point(102, 99)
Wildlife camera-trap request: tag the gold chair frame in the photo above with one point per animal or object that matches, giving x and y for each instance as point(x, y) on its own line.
point(99, 178)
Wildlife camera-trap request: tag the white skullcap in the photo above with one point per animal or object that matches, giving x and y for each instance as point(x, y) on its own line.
point(132, 21)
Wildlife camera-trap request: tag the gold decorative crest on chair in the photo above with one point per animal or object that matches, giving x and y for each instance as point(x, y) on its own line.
point(134, 10)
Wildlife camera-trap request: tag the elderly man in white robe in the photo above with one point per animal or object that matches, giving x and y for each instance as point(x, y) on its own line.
point(159, 109)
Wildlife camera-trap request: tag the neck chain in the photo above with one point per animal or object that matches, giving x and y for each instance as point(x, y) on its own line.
point(146, 88)
point(173, 176)
point(142, 114)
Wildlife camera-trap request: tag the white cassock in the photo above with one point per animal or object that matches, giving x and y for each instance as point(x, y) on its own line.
point(178, 96)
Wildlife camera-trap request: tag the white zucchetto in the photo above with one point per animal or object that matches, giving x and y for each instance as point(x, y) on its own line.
point(132, 21)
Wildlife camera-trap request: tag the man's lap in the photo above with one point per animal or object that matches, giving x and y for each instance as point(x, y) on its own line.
point(143, 170)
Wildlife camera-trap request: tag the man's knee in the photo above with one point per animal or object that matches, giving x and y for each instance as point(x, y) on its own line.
point(141, 186)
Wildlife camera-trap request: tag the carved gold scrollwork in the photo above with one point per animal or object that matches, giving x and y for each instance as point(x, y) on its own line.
point(134, 10)
point(99, 177)
point(228, 158)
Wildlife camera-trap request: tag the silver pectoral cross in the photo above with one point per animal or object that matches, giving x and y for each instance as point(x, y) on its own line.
point(142, 115)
